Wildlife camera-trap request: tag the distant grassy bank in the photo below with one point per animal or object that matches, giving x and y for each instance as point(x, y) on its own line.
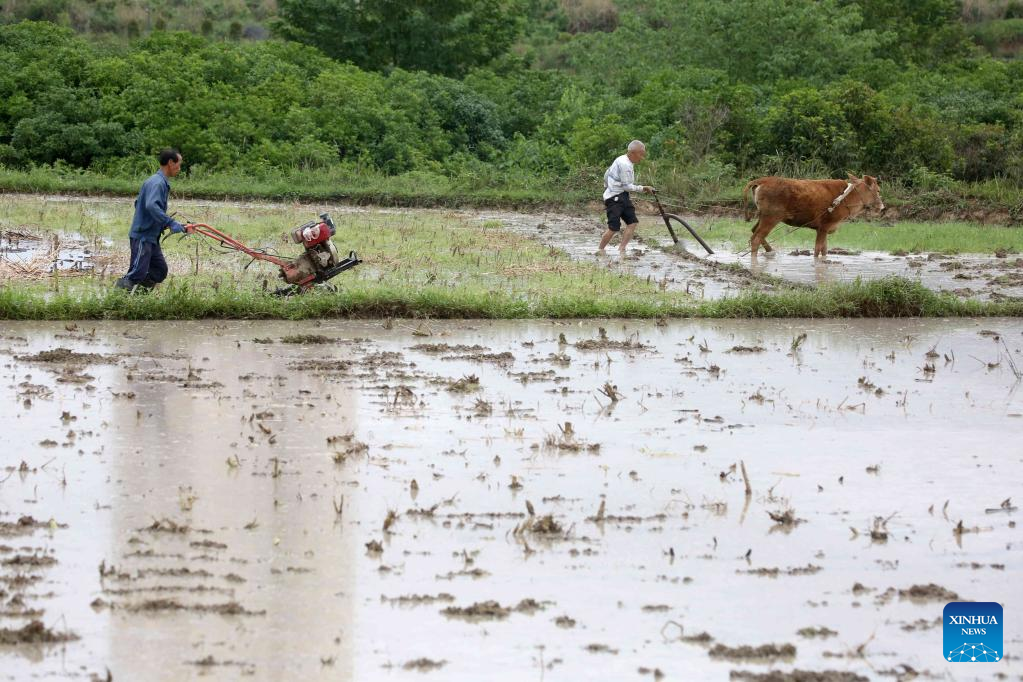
point(410, 190)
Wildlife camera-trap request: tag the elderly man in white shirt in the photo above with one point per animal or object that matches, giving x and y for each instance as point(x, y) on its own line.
point(619, 180)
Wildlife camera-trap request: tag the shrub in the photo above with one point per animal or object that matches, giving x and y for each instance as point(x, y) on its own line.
point(805, 123)
point(590, 15)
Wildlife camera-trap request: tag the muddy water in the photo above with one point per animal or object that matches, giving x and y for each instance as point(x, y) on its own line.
point(691, 269)
point(193, 474)
point(31, 253)
point(650, 255)
point(968, 275)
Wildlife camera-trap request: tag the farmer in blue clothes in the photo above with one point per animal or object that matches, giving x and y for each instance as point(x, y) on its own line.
point(148, 267)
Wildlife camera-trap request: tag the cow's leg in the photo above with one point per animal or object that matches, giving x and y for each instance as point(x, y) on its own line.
point(767, 247)
point(760, 232)
point(831, 230)
point(820, 247)
point(827, 229)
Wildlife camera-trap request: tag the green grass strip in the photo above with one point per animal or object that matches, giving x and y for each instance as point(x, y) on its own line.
point(883, 298)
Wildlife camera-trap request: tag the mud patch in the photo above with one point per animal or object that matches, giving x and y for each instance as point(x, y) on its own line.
point(24, 525)
point(306, 339)
point(67, 356)
point(485, 610)
point(763, 652)
point(34, 633)
point(424, 665)
point(491, 610)
point(797, 676)
point(230, 608)
point(929, 592)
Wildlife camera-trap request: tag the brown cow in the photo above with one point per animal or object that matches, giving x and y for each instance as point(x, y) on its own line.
point(817, 204)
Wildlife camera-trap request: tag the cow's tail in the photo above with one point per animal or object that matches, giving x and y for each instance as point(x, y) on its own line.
point(745, 198)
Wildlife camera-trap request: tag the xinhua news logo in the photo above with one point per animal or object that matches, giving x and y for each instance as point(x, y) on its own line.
point(973, 632)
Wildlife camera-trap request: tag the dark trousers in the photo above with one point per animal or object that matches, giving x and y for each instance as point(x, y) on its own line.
point(147, 262)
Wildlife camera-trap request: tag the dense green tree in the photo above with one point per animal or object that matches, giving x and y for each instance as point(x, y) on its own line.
point(440, 36)
point(716, 88)
point(754, 41)
point(926, 31)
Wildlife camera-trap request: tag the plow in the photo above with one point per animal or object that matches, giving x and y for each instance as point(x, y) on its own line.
point(318, 263)
point(668, 217)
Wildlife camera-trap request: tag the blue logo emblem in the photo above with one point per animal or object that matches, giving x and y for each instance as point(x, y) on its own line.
point(973, 632)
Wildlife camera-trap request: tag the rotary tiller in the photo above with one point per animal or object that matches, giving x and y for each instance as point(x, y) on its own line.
point(319, 262)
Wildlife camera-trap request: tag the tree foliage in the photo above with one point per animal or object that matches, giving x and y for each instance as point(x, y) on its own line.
point(440, 36)
point(876, 86)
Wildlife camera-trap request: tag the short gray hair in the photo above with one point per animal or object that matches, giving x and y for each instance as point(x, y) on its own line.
point(636, 145)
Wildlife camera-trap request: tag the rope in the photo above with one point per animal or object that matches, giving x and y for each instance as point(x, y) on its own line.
point(672, 204)
point(676, 202)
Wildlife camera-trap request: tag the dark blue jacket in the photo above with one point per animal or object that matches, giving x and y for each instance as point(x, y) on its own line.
point(151, 210)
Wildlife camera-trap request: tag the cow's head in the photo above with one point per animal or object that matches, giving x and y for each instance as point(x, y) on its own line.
point(872, 196)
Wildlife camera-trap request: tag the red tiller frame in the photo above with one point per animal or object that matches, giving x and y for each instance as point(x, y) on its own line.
point(227, 240)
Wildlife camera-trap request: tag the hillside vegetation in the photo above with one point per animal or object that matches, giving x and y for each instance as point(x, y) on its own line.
point(534, 96)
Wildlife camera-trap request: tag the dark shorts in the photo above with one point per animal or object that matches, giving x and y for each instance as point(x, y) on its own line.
point(618, 208)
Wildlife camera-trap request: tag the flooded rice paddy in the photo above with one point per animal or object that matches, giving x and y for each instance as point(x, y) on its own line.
point(505, 501)
point(33, 251)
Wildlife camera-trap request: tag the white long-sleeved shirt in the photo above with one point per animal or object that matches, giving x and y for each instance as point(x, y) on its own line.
point(620, 177)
